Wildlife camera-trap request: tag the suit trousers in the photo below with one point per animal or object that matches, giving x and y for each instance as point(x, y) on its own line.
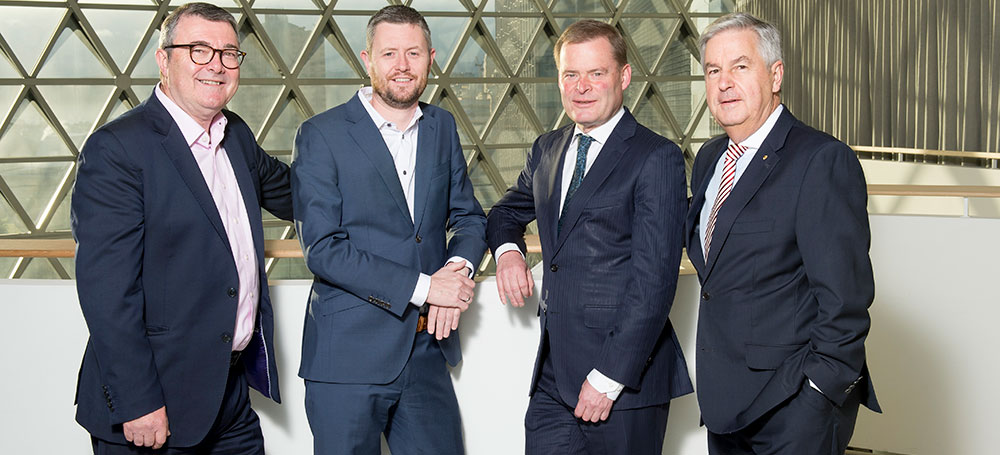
point(551, 428)
point(806, 423)
point(236, 430)
point(417, 412)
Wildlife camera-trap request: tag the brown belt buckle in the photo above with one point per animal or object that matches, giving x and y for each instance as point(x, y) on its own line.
point(421, 323)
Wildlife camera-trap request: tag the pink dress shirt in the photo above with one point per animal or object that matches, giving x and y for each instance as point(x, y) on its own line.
point(218, 172)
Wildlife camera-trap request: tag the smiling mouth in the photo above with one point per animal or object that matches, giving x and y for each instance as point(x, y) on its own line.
point(206, 82)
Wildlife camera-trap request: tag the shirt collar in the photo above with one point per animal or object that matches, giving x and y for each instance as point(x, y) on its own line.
point(365, 95)
point(603, 132)
point(757, 138)
point(190, 128)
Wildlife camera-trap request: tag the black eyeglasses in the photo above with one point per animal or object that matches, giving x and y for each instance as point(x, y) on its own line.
point(202, 54)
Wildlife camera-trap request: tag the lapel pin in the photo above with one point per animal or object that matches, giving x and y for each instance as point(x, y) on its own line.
point(765, 158)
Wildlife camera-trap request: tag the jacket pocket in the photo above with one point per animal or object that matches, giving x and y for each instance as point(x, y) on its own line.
point(599, 316)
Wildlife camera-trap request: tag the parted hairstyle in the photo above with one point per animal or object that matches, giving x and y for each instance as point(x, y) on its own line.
point(768, 36)
point(589, 29)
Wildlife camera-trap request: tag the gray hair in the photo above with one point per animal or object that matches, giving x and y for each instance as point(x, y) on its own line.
point(768, 36)
point(396, 14)
point(205, 11)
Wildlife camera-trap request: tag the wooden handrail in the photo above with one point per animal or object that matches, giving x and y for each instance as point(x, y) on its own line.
point(65, 248)
point(927, 152)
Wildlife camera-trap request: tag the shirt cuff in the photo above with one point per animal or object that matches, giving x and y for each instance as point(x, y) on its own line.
point(420, 292)
point(468, 265)
point(509, 246)
point(609, 387)
point(813, 385)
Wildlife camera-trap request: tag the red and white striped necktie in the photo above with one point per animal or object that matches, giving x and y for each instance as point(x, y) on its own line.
point(733, 154)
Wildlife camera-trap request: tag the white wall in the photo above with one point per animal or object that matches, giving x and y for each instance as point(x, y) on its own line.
point(931, 353)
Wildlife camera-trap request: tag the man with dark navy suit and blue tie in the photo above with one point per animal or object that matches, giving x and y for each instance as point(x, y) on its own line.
point(609, 197)
point(392, 231)
point(170, 257)
point(778, 232)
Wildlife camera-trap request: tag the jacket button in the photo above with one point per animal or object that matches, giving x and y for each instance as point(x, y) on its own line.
point(231, 292)
point(227, 338)
point(706, 296)
point(554, 267)
point(418, 239)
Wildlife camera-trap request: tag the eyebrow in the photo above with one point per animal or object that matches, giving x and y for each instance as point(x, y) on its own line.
point(206, 43)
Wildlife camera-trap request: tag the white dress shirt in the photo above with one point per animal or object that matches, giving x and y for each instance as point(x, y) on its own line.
point(599, 381)
point(402, 145)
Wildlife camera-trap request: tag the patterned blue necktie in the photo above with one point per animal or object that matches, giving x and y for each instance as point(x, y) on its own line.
point(581, 166)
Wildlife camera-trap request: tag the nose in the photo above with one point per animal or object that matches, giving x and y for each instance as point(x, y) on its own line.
point(725, 81)
point(215, 64)
point(583, 85)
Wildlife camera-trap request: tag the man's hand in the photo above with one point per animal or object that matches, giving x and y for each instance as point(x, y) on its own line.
point(514, 281)
point(451, 287)
point(592, 406)
point(441, 321)
point(150, 430)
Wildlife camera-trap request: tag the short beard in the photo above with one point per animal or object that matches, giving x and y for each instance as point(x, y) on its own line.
point(390, 98)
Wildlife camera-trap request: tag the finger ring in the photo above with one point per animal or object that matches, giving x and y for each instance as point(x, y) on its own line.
point(466, 300)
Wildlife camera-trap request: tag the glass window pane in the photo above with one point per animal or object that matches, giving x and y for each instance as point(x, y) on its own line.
point(545, 100)
point(30, 135)
point(475, 62)
point(327, 62)
point(253, 103)
point(513, 35)
point(39, 269)
point(354, 30)
point(323, 97)
point(512, 127)
point(285, 4)
point(10, 223)
point(7, 95)
point(27, 29)
point(7, 266)
point(69, 265)
point(365, 5)
point(479, 101)
point(60, 219)
point(579, 6)
point(7, 68)
point(445, 32)
point(279, 138)
point(257, 64)
point(289, 33)
point(76, 107)
point(119, 30)
point(147, 61)
point(34, 184)
point(72, 57)
point(438, 5)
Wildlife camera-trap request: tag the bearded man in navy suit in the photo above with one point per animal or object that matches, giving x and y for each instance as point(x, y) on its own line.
point(609, 197)
point(170, 257)
point(778, 232)
point(379, 182)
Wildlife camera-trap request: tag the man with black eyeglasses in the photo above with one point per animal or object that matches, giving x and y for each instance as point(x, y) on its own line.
point(170, 257)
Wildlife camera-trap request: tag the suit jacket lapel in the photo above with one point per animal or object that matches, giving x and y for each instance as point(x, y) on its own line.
point(552, 178)
point(176, 148)
point(695, 252)
point(371, 144)
point(426, 160)
point(748, 185)
point(610, 156)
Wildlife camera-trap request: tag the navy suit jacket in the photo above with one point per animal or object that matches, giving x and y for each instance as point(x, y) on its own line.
point(363, 248)
point(156, 278)
point(611, 272)
point(788, 282)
